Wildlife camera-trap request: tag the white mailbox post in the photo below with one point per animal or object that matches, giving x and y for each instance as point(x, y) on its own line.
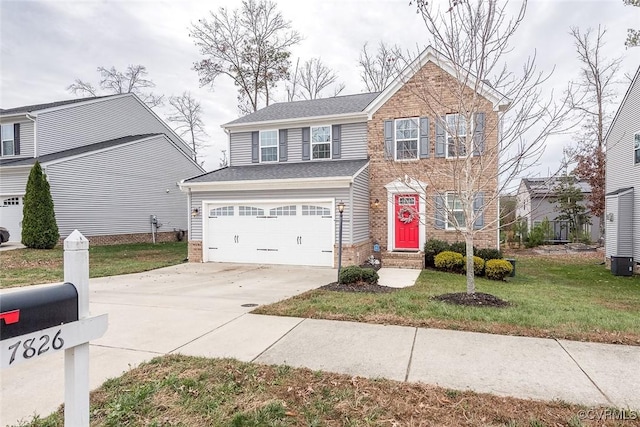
point(37, 322)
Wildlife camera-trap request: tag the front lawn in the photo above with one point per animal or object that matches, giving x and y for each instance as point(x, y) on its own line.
point(189, 391)
point(22, 267)
point(557, 297)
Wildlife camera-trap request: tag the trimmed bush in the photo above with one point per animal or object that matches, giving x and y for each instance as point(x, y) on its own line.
point(478, 265)
point(449, 261)
point(432, 248)
point(497, 269)
point(460, 247)
point(355, 274)
point(487, 254)
point(39, 227)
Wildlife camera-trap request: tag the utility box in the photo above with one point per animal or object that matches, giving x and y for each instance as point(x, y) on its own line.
point(33, 310)
point(622, 266)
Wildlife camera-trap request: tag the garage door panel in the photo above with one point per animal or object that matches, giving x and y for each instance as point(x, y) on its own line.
point(272, 234)
point(11, 216)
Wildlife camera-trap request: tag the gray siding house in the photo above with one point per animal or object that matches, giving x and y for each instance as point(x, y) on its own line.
point(623, 179)
point(537, 201)
point(293, 163)
point(110, 161)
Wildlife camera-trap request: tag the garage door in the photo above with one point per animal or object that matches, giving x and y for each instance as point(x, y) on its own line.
point(291, 233)
point(11, 216)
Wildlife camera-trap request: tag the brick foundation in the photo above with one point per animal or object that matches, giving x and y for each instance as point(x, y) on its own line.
point(195, 251)
point(353, 254)
point(119, 239)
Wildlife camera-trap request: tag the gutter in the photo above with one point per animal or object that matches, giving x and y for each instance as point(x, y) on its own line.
point(300, 121)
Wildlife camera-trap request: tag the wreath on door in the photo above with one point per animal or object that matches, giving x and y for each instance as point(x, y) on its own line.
point(406, 215)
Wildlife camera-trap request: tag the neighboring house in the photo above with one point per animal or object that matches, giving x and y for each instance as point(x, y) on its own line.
point(292, 163)
point(537, 201)
point(110, 161)
point(622, 219)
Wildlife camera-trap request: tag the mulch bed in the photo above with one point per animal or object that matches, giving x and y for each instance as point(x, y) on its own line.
point(477, 299)
point(358, 287)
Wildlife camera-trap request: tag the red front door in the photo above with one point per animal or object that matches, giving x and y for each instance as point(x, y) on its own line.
point(407, 221)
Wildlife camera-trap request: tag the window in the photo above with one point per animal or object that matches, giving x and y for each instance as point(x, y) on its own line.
point(315, 211)
point(406, 201)
point(250, 211)
point(321, 142)
point(283, 211)
point(455, 214)
point(406, 139)
point(269, 146)
point(8, 142)
point(222, 211)
point(637, 147)
point(456, 135)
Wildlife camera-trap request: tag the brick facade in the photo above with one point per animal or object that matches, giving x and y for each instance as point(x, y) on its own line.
point(194, 253)
point(417, 98)
point(353, 254)
point(119, 239)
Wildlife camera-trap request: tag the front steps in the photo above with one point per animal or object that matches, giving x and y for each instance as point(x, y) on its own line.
point(403, 260)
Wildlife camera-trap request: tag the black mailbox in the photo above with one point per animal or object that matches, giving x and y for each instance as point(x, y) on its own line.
point(32, 310)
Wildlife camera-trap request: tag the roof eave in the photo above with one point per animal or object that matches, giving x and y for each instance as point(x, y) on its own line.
point(333, 118)
point(270, 184)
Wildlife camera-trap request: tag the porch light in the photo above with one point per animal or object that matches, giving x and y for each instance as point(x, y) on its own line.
point(341, 207)
point(375, 204)
point(195, 212)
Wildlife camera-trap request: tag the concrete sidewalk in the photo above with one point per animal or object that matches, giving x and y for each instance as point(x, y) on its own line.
point(197, 309)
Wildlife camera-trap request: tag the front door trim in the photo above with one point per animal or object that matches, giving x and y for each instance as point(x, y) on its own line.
point(407, 186)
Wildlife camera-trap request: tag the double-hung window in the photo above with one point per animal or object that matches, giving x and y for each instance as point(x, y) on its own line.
point(321, 142)
point(8, 140)
point(456, 135)
point(455, 213)
point(269, 146)
point(636, 147)
point(406, 132)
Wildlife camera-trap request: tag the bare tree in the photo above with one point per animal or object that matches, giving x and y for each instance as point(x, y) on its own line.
point(315, 77)
point(132, 80)
point(633, 35)
point(490, 123)
point(592, 100)
point(250, 45)
point(378, 69)
point(187, 116)
point(224, 160)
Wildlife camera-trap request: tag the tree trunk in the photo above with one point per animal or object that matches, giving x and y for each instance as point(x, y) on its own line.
point(471, 282)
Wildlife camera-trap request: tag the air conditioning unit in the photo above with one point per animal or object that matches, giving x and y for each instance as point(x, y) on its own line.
point(622, 266)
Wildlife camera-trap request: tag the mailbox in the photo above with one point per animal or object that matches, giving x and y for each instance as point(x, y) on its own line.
point(32, 310)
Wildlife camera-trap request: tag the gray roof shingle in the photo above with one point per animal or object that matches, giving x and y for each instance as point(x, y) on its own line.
point(547, 186)
point(35, 107)
point(74, 151)
point(311, 108)
point(324, 169)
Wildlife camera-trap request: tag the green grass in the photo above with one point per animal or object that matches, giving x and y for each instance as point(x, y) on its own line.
point(562, 298)
point(189, 391)
point(22, 267)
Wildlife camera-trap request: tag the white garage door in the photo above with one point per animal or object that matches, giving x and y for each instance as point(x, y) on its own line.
point(291, 233)
point(11, 216)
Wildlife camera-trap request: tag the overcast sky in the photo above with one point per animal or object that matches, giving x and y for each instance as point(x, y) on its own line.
point(45, 45)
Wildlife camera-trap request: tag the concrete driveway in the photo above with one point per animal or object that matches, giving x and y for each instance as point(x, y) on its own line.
point(180, 309)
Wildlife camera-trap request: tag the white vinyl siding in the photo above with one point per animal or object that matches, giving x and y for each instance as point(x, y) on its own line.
point(361, 207)
point(354, 141)
point(115, 191)
point(240, 149)
point(79, 125)
point(13, 180)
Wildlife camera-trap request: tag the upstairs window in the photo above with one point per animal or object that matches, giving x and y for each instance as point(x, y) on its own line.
point(636, 147)
point(8, 140)
point(269, 146)
point(321, 142)
point(456, 135)
point(406, 132)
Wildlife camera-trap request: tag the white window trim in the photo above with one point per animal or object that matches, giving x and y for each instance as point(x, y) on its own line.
point(395, 140)
point(449, 211)
point(635, 136)
point(318, 143)
point(447, 134)
point(277, 146)
point(2, 141)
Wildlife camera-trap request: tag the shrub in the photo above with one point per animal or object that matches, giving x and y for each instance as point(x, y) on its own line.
point(460, 247)
point(487, 254)
point(355, 274)
point(432, 248)
point(39, 227)
point(539, 234)
point(497, 269)
point(478, 265)
point(449, 261)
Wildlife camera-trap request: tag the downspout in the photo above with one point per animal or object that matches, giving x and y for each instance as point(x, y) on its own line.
point(189, 214)
point(351, 209)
